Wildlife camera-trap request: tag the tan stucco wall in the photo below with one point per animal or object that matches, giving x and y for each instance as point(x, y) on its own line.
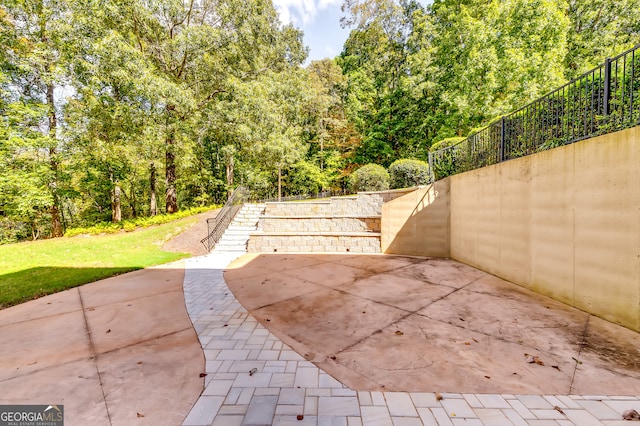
point(418, 223)
point(564, 223)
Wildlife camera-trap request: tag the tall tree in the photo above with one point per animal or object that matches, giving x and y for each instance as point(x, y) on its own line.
point(33, 67)
point(198, 47)
point(600, 29)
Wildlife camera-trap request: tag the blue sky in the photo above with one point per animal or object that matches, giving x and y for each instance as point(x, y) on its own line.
point(320, 21)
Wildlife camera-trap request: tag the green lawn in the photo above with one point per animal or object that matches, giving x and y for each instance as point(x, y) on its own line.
point(33, 269)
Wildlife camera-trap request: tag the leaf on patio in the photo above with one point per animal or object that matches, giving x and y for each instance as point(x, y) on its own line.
point(631, 415)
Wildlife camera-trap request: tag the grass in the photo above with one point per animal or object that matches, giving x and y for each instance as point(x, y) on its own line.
point(33, 269)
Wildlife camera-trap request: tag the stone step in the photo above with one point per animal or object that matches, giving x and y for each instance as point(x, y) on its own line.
point(236, 236)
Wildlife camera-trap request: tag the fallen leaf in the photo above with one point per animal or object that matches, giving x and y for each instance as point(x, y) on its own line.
point(139, 362)
point(576, 360)
point(487, 377)
point(533, 359)
point(253, 371)
point(467, 343)
point(108, 331)
point(558, 409)
point(333, 357)
point(474, 340)
point(557, 367)
point(438, 396)
point(399, 333)
point(203, 374)
point(268, 320)
point(631, 415)
point(140, 414)
point(300, 417)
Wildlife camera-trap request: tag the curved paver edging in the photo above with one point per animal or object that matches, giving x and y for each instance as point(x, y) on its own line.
point(284, 386)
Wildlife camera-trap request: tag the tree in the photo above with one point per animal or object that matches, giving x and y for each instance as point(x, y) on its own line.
point(599, 29)
point(199, 48)
point(36, 32)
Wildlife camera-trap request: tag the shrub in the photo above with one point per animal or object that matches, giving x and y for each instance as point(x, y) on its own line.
point(371, 177)
point(129, 225)
point(448, 162)
point(407, 173)
point(445, 143)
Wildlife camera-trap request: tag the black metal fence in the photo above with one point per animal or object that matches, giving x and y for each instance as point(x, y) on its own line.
point(217, 225)
point(603, 100)
point(318, 195)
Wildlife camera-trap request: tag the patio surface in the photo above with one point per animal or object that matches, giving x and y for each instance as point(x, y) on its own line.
point(120, 351)
point(394, 323)
point(413, 340)
point(418, 356)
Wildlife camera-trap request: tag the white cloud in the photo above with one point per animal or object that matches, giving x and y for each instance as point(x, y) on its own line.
point(301, 12)
point(329, 50)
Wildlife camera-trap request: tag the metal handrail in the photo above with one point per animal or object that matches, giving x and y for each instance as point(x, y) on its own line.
point(217, 225)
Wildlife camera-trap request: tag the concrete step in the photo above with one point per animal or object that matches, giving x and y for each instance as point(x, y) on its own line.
point(236, 237)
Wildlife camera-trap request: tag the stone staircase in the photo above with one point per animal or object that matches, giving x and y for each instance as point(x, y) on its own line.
point(337, 225)
point(236, 236)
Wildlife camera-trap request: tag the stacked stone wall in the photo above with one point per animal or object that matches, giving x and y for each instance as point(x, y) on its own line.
point(339, 225)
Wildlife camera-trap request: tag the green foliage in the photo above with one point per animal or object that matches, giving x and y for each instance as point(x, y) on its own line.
point(133, 224)
point(448, 161)
point(445, 143)
point(96, 100)
point(371, 177)
point(307, 178)
point(406, 173)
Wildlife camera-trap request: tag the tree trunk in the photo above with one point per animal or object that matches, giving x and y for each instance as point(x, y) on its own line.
point(153, 206)
point(116, 206)
point(134, 210)
point(279, 182)
point(171, 197)
point(56, 223)
point(230, 176)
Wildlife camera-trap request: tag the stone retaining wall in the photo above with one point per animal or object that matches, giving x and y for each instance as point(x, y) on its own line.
point(339, 225)
point(328, 243)
point(319, 224)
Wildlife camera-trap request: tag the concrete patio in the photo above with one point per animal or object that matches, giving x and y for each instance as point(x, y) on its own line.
point(397, 323)
point(255, 378)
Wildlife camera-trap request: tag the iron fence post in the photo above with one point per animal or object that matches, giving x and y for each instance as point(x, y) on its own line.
point(431, 172)
point(502, 139)
point(607, 86)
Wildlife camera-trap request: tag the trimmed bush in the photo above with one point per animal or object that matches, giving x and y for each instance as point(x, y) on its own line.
point(371, 177)
point(407, 173)
point(445, 143)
